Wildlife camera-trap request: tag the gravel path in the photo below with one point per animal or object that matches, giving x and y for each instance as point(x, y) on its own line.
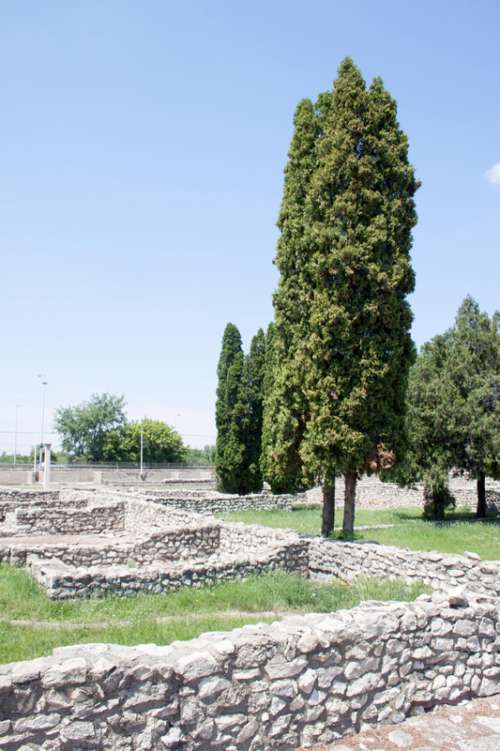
point(69, 625)
point(471, 726)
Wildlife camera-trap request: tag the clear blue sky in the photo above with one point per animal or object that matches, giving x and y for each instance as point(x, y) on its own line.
point(143, 145)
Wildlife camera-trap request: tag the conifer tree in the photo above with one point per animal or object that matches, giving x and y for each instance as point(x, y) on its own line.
point(355, 358)
point(285, 410)
point(473, 367)
point(252, 408)
point(229, 413)
point(453, 415)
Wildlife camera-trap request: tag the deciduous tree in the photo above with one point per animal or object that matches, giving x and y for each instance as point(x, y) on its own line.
point(85, 427)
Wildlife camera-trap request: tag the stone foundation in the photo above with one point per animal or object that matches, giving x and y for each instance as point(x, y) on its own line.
point(303, 681)
point(211, 502)
point(299, 682)
point(372, 493)
point(348, 561)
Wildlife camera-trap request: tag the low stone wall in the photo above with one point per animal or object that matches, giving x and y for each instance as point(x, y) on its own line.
point(211, 502)
point(372, 493)
point(66, 582)
point(9, 511)
point(200, 474)
point(348, 561)
point(47, 520)
point(303, 681)
point(179, 544)
point(11, 495)
point(206, 553)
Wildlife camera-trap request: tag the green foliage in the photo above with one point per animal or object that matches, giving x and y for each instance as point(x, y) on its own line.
point(204, 456)
point(230, 414)
point(453, 415)
point(341, 340)
point(252, 404)
point(162, 619)
point(161, 442)
point(98, 431)
point(85, 428)
point(361, 211)
point(285, 409)
point(473, 367)
point(401, 527)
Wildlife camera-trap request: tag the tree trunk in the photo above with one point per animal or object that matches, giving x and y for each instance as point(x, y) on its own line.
point(349, 503)
point(481, 496)
point(328, 512)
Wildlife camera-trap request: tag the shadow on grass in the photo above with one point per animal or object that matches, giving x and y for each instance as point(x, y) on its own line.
point(457, 516)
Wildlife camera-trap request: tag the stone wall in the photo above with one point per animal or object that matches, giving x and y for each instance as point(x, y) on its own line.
point(173, 545)
point(205, 553)
point(348, 561)
point(57, 520)
point(300, 682)
point(12, 495)
point(372, 493)
point(211, 502)
point(62, 582)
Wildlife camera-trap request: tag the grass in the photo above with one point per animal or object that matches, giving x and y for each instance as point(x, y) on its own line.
point(192, 611)
point(456, 535)
point(27, 642)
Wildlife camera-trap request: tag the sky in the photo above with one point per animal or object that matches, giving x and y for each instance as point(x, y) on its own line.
point(141, 171)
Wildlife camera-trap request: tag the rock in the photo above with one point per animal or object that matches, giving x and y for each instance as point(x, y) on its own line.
point(78, 731)
point(197, 665)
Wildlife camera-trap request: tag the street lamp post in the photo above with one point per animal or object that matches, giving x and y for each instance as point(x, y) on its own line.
point(44, 388)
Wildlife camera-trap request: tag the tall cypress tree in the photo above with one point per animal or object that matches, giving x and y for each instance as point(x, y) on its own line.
point(285, 410)
point(359, 212)
point(230, 448)
point(252, 408)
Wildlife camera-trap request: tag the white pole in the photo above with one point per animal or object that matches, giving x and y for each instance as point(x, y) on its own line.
point(141, 471)
point(44, 387)
point(41, 376)
point(34, 459)
point(46, 467)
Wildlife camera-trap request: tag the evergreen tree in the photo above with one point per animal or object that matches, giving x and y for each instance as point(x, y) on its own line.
point(252, 408)
point(229, 413)
point(453, 415)
point(428, 454)
point(474, 369)
point(285, 409)
point(357, 352)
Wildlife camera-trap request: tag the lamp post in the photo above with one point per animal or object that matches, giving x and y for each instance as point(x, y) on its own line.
point(44, 388)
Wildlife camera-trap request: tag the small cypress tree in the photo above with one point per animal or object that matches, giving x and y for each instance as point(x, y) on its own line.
point(473, 367)
point(359, 216)
point(428, 455)
point(285, 409)
point(230, 448)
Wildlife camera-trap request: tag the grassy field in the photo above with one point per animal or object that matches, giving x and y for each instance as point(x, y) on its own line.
point(162, 619)
point(456, 535)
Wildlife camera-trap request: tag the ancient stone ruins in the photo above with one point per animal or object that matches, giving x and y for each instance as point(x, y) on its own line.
point(303, 681)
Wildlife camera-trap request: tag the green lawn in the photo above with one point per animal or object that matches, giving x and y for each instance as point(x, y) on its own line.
point(191, 611)
point(456, 535)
